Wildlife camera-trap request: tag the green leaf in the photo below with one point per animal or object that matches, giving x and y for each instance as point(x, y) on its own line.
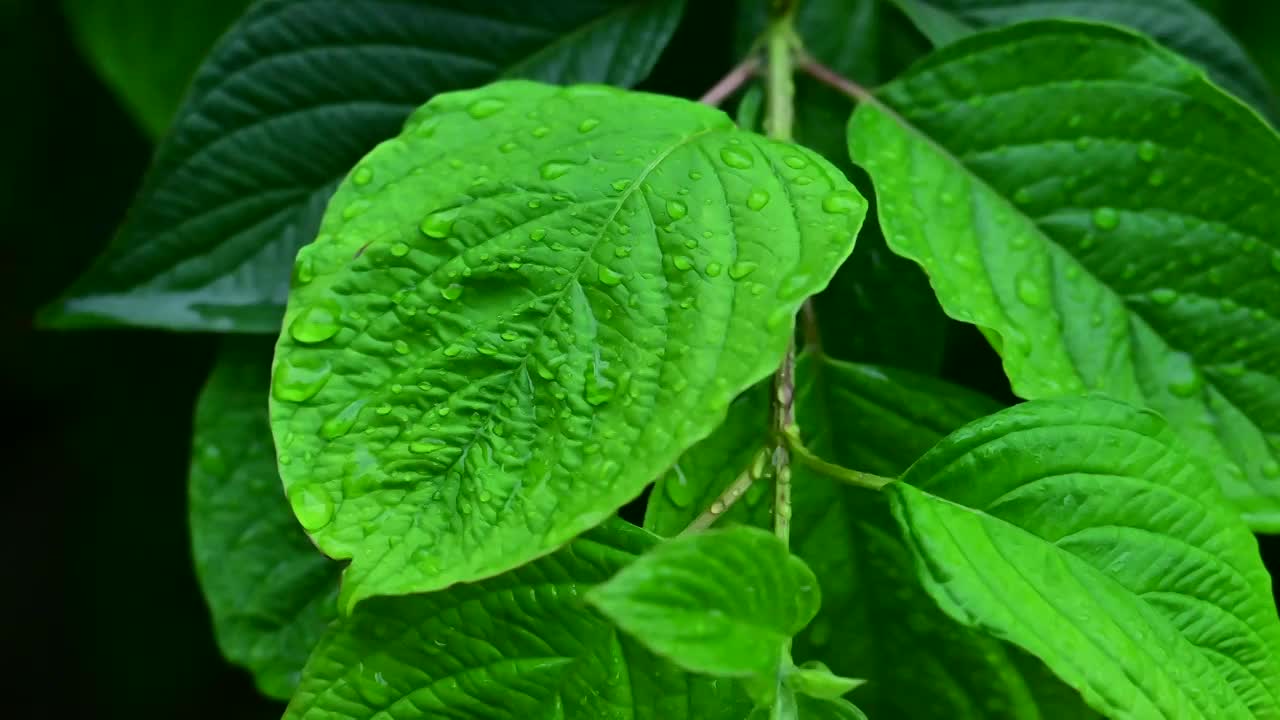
point(827, 709)
point(1072, 240)
point(522, 310)
point(148, 50)
point(876, 618)
point(270, 592)
point(1178, 24)
point(1083, 530)
point(295, 94)
point(816, 680)
point(522, 645)
point(720, 602)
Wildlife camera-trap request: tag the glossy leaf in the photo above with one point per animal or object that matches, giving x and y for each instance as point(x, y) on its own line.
point(876, 618)
point(291, 98)
point(522, 310)
point(816, 680)
point(270, 591)
point(720, 602)
point(520, 646)
point(148, 50)
point(1084, 530)
point(827, 709)
point(1180, 25)
point(1075, 240)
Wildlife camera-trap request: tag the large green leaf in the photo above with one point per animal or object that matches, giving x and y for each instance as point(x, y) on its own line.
point(1178, 24)
point(522, 310)
point(270, 591)
point(287, 103)
point(721, 602)
point(875, 618)
point(1107, 217)
point(148, 50)
point(1084, 530)
point(520, 646)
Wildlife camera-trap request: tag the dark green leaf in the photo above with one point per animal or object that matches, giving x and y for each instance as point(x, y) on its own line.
point(1178, 24)
point(481, 363)
point(148, 50)
point(1058, 165)
point(1084, 530)
point(720, 602)
point(520, 646)
point(270, 591)
point(287, 103)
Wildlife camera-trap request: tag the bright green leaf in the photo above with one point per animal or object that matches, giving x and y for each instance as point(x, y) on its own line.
point(295, 94)
point(1178, 24)
point(522, 310)
point(520, 646)
point(270, 591)
point(1053, 163)
point(816, 680)
point(148, 50)
point(875, 617)
point(721, 602)
point(1084, 530)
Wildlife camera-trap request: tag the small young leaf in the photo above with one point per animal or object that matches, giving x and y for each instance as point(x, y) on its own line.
point(148, 50)
point(270, 591)
point(816, 680)
point(1085, 531)
point(720, 602)
point(1072, 240)
point(520, 646)
point(290, 99)
point(523, 309)
point(1179, 24)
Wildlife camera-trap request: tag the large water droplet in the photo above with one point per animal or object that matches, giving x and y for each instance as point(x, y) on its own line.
point(713, 269)
point(735, 158)
point(1030, 291)
point(1147, 150)
point(609, 276)
point(553, 169)
point(795, 162)
point(485, 107)
point(757, 199)
point(362, 176)
point(298, 379)
point(312, 505)
point(682, 263)
point(401, 347)
point(677, 209)
point(304, 270)
point(439, 224)
point(1164, 296)
point(842, 201)
point(426, 446)
point(588, 125)
point(741, 269)
point(341, 424)
point(538, 234)
point(399, 249)
point(1106, 218)
point(316, 323)
point(452, 292)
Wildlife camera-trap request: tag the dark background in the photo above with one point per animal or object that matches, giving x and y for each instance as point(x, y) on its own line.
point(102, 614)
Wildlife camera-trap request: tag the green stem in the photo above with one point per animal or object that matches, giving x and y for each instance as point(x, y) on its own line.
point(806, 457)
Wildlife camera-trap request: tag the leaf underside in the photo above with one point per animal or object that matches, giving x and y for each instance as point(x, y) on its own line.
point(519, 312)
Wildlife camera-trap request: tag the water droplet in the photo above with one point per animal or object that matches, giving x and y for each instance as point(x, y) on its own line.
point(620, 185)
point(1164, 296)
point(439, 224)
point(453, 350)
point(1147, 151)
point(1030, 291)
point(1184, 379)
point(588, 125)
point(341, 424)
point(355, 209)
point(312, 505)
point(401, 347)
point(399, 249)
point(1022, 196)
point(485, 107)
point(541, 131)
point(735, 158)
point(1156, 178)
point(452, 292)
point(695, 175)
point(609, 276)
point(599, 389)
point(553, 169)
point(1083, 143)
point(507, 147)
point(298, 380)
point(534, 204)
point(795, 162)
point(842, 201)
point(713, 269)
point(682, 263)
point(1271, 469)
point(739, 270)
point(621, 251)
point(757, 199)
point(426, 446)
point(677, 209)
point(1075, 120)
point(316, 323)
point(538, 234)
point(362, 176)
point(1106, 218)
point(304, 270)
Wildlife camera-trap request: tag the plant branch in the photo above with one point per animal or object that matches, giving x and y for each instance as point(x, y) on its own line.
point(830, 77)
point(731, 495)
point(729, 84)
point(839, 473)
point(809, 326)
